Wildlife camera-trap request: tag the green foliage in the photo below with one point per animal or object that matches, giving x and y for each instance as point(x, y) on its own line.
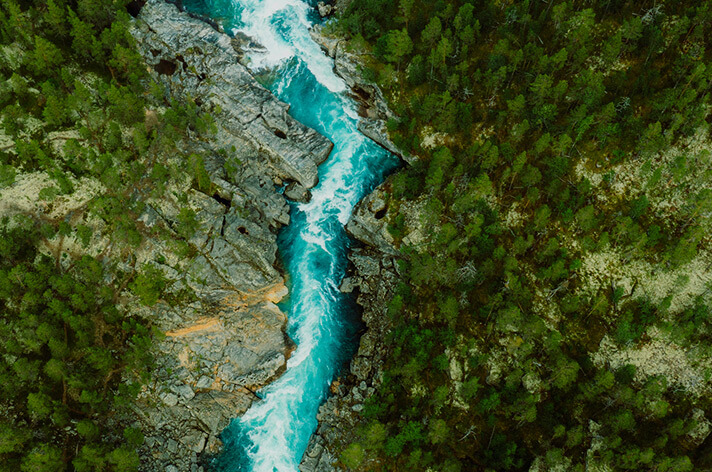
point(46, 57)
point(67, 351)
point(352, 456)
point(59, 366)
point(525, 99)
point(199, 173)
point(43, 459)
point(397, 45)
point(149, 284)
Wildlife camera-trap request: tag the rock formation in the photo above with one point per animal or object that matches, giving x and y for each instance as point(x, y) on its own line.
point(373, 108)
point(325, 9)
point(373, 277)
point(193, 59)
point(228, 339)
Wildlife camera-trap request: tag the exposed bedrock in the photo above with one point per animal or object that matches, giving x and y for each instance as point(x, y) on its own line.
point(224, 334)
point(373, 108)
point(194, 60)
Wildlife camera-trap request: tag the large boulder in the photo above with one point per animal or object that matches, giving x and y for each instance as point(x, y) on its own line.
point(368, 222)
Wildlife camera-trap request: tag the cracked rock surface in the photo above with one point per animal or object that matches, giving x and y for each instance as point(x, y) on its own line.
point(227, 338)
point(193, 59)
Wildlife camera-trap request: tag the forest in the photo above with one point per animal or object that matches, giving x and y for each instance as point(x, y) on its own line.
point(74, 100)
point(564, 158)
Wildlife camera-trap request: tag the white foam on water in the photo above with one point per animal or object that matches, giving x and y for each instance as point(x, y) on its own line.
point(282, 27)
point(279, 425)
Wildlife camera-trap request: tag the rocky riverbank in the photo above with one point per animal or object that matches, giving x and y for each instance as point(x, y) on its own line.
point(228, 339)
point(373, 108)
point(373, 276)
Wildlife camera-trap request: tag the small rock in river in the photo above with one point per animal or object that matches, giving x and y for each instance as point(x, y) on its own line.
point(348, 284)
point(324, 9)
point(296, 191)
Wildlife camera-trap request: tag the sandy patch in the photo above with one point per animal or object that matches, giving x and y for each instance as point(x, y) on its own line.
point(202, 326)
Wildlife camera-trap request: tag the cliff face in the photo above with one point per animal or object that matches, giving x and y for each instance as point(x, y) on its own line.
point(229, 339)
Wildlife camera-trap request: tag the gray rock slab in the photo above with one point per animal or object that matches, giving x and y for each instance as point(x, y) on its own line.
point(205, 65)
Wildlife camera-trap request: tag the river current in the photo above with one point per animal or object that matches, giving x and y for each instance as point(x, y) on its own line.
point(273, 434)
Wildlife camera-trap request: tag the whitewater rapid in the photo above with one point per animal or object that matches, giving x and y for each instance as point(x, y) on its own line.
point(273, 434)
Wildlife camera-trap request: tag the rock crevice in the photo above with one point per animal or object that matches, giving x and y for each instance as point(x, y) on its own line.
point(211, 74)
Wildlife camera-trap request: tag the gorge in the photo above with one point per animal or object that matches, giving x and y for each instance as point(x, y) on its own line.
point(209, 263)
point(273, 434)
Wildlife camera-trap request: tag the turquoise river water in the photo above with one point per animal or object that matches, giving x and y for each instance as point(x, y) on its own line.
point(273, 434)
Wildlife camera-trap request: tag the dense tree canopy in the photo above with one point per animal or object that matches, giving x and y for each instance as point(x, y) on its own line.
point(64, 348)
point(527, 117)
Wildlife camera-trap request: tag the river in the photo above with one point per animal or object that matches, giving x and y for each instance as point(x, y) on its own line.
point(273, 434)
